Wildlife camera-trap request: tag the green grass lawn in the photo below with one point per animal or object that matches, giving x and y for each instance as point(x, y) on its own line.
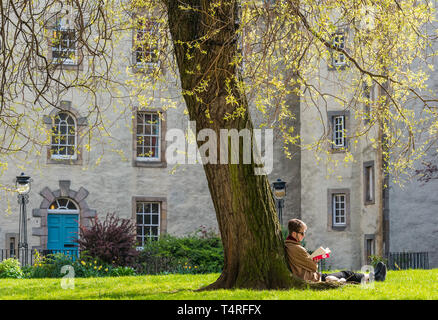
point(407, 284)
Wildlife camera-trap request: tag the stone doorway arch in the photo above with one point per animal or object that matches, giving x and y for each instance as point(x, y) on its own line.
point(49, 196)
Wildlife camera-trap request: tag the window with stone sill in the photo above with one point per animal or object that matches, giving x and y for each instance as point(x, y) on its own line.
point(12, 245)
point(338, 123)
point(369, 185)
point(338, 209)
point(148, 217)
point(65, 126)
point(369, 247)
point(64, 43)
point(148, 137)
point(338, 59)
point(145, 43)
point(339, 131)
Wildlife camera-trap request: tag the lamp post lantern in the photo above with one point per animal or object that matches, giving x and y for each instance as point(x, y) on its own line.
point(279, 187)
point(22, 184)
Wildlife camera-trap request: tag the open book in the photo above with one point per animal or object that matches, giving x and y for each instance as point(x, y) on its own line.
point(320, 253)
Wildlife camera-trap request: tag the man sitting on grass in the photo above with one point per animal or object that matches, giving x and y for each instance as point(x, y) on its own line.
point(305, 268)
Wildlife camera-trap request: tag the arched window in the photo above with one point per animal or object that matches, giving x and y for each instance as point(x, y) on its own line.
point(63, 145)
point(63, 205)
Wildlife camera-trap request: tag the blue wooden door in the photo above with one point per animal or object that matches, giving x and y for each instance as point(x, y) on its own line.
point(62, 233)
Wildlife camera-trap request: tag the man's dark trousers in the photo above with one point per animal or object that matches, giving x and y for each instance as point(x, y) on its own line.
point(350, 276)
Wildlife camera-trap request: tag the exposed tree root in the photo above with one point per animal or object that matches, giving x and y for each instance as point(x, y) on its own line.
point(294, 283)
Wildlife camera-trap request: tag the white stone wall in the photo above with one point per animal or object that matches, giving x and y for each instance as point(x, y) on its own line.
point(322, 171)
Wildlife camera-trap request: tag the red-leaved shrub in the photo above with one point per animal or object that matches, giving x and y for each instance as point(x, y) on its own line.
point(112, 241)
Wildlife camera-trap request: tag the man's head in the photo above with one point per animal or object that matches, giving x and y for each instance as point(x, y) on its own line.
point(297, 229)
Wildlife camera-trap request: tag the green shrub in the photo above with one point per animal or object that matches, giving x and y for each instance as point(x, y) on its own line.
point(50, 266)
point(10, 268)
point(87, 267)
point(189, 254)
point(122, 271)
point(375, 259)
point(200, 252)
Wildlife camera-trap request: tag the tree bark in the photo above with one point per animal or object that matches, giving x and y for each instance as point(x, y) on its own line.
point(254, 255)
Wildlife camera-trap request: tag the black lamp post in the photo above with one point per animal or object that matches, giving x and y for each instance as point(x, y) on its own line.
point(279, 194)
point(22, 184)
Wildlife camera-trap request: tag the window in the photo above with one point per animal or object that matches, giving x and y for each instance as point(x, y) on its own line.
point(150, 217)
point(339, 210)
point(338, 58)
point(339, 131)
point(66, 126)
point(148, 140)
point(148, 136)
point(369, 182)
point(63, 205)
point(146, 43)
point(63, 142)
point(338, 204)
point(64, 43)
point(338, 121)
point(12, 245)
point(369, 247)
point(148, 221)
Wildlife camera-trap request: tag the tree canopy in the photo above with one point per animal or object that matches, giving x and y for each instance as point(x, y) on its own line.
point(226, 57)
point(282, 49)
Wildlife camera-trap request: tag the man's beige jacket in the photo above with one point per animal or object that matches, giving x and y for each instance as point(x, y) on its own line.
point(300, 262)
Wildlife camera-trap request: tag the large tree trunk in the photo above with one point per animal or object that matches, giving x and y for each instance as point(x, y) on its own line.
point(245, 210)
point(251, 234)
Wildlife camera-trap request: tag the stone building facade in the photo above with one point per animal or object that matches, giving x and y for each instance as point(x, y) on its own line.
point(340, 196)
point(341, 201)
